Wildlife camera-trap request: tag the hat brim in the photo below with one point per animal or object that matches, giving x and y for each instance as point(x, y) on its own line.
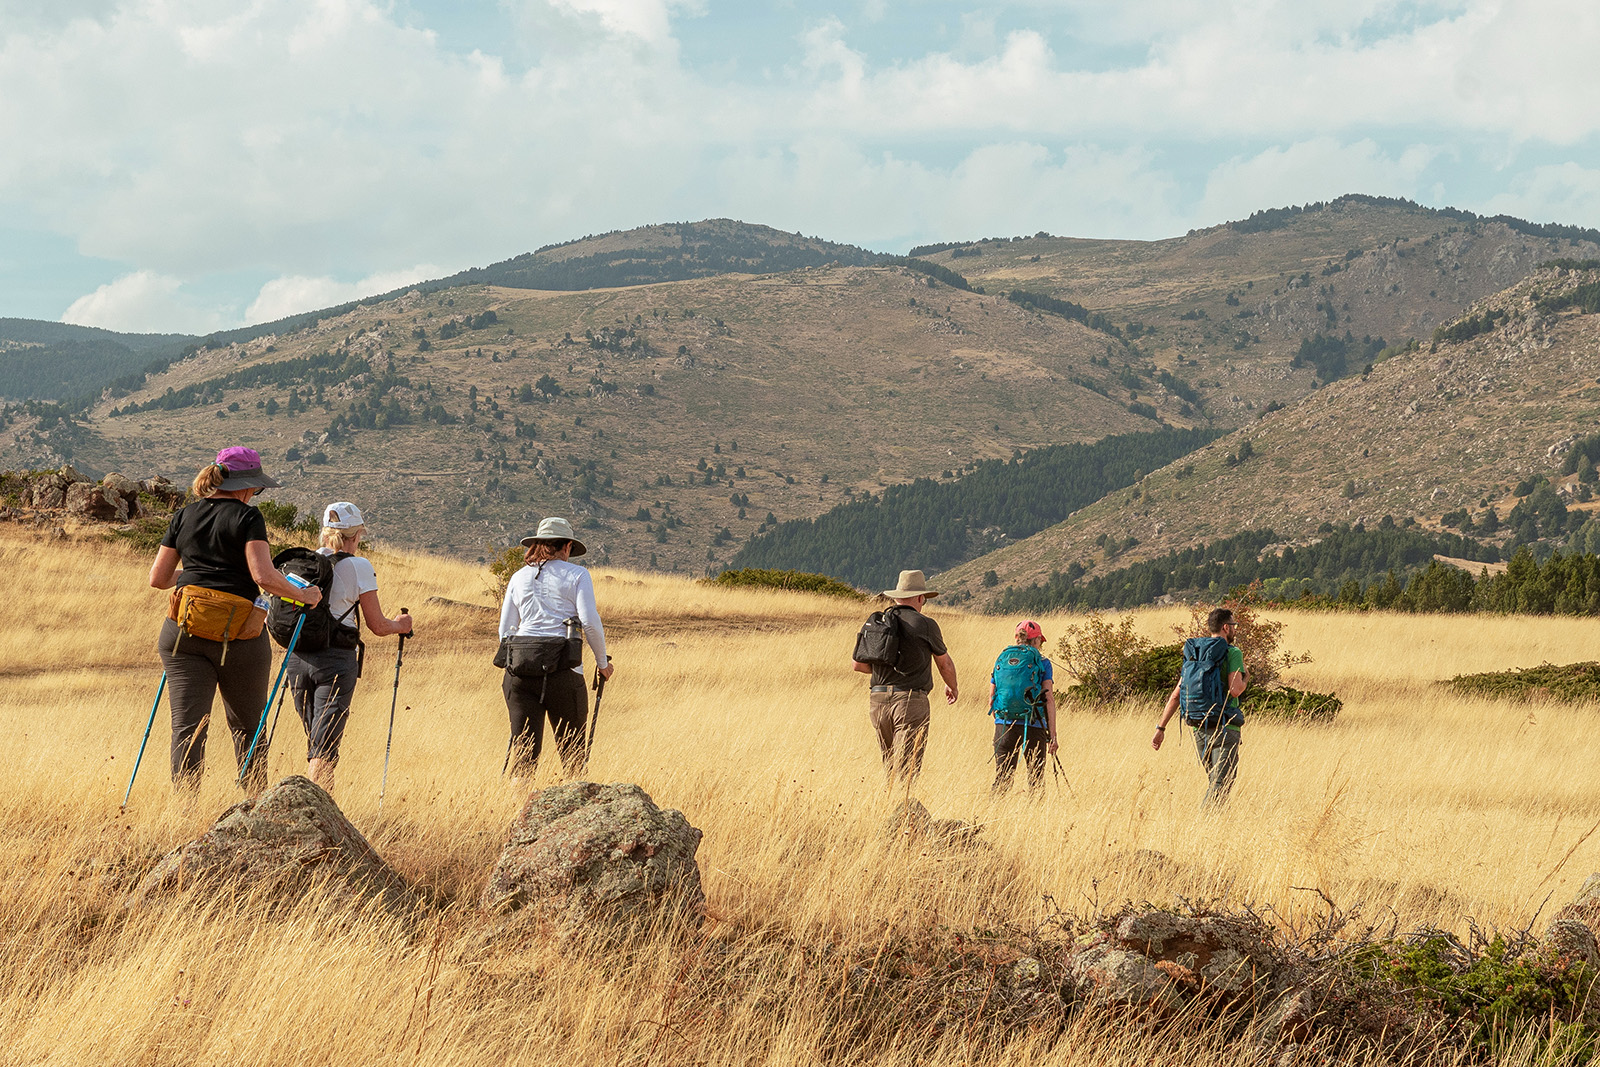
point(578, 547)
point(907, 594)
point(256, 480)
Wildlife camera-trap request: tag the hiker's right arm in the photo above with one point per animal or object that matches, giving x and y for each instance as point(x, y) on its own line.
point(947, 671)
point(259, 557)
point(164, 571)
point(1166, 716)
point(1236, 683)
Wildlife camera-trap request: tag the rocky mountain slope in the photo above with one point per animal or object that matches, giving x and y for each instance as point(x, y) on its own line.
point(1447, 426)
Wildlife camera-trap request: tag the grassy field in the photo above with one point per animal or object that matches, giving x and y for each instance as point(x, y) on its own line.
point(737, 707)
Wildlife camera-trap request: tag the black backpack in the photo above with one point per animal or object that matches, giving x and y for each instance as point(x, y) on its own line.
point(878, 643)
point(318, 629)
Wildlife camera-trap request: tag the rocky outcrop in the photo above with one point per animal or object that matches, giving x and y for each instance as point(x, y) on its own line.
point(1156, 957)
point(581, 856)
point(911, 821)
point(290, 840)
point(113, 499)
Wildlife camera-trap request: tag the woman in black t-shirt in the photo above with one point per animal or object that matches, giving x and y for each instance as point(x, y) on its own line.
point(221, 541)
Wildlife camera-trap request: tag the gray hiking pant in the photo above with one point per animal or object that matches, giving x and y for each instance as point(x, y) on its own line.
point(322, 684)
point(1218, 749)
point(196, 669)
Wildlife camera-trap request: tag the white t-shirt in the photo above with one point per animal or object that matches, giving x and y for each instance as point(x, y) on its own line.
point(540, 600)
point(351, 578)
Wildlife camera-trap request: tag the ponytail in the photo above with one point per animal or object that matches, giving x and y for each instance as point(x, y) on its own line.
point(209, 480)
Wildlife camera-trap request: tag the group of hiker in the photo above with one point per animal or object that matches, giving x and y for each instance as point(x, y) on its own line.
point(900, 646)
point(232, 598)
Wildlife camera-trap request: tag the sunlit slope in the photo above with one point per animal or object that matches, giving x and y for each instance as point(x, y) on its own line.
point(1427, 432)
point(626, 409)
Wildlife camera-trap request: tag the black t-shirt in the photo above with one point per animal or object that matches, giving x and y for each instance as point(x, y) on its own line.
point(920, 641)
point(210, 536)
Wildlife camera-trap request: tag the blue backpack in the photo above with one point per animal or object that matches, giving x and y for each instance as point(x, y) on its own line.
point(1019, 686)
point(1203, 685)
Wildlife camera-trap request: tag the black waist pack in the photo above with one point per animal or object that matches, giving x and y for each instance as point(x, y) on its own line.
point(535, 657)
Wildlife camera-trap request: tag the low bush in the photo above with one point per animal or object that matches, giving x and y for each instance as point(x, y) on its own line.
point(1570, 683)
point(792, 581)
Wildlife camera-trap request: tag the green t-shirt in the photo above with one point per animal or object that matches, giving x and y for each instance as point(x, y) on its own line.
point(1234, 715)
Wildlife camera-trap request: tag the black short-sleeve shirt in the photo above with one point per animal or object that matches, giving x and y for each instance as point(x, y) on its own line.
point(210, 536)
point(920, 641)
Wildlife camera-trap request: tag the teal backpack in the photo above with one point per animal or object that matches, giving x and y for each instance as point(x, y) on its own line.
point(1019, 686)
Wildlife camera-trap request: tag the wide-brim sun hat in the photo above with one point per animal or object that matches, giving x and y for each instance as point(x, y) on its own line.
point(911, 584)
point(241, 469)
point(554, 529)
point(342, 515)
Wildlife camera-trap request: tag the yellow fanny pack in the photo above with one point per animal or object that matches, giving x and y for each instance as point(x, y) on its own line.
point(213, 615)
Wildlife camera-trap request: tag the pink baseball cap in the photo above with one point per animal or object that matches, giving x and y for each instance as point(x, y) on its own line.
point(1029, 630)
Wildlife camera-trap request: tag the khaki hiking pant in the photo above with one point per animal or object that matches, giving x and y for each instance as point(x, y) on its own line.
point(900, 719)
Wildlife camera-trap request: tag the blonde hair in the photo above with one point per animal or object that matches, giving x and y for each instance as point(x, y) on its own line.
point(543, 551)
point(208, 481)
point(335, 539)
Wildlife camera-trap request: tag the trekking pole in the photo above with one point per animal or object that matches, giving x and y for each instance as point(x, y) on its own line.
point(1060, 773)
point(244, 767)
point(162, 688)
point(599, 688)
point(398, 656)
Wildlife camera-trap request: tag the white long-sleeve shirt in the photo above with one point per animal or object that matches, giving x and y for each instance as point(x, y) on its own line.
point(540, 600)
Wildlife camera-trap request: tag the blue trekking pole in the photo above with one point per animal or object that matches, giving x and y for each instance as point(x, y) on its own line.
point(244, 768)
point(162, 688)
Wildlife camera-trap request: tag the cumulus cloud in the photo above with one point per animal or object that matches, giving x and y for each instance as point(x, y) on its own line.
point(290, 295)
point(312, 140)
point(144, 302)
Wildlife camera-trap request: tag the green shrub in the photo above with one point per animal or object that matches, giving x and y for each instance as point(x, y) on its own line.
point(503, 563)
point(279, 516)
point(1571, 683)
point(793, 581)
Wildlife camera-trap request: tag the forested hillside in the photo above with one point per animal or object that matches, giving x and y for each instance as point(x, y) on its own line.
point(1483, 428)
point(933, 524)
point(1326, 566)
point(57, 361)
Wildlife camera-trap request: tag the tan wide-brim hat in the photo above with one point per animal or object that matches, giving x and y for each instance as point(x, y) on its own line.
point(911, 584)
point(556, 530)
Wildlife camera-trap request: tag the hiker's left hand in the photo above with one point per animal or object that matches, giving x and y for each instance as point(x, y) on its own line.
point(949, 694)
point(606, 671)
point(1053, 746)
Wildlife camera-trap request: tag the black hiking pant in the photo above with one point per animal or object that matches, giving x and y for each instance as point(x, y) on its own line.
point(196, 670)
point(1009, 742)
point(563, 698)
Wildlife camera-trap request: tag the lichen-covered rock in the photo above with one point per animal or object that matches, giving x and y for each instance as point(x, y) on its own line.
point(290, 839)
point(1225, 954)
point(581, 854)
point(1572, 941)
point(1107, 975)
point(1585, 907)
point(122, 492)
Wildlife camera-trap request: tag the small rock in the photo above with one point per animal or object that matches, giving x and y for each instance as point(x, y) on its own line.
point(290, 839)
point(1585, 907)
point(1111, 975)
point(583, 853)
point(911, 821)
point(1571, 940)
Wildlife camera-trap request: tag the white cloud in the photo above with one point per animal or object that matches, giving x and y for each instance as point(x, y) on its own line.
point(293, 294)
point(310, 140)
point(1319, 169)
point(144, 302)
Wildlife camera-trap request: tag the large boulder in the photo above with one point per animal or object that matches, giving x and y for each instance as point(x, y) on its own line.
point(162, 490)
point(121, 491)
point(1159, 958)
point(49, 490)
point(85, 500)
point(581, 855)
point(291, 839)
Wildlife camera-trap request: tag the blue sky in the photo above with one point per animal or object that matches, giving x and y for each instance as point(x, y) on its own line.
point(186, 165)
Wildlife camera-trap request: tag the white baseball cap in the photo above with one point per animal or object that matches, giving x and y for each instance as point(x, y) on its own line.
point(342, 515)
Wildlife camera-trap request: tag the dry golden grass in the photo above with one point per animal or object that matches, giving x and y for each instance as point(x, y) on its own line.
point(739, 708)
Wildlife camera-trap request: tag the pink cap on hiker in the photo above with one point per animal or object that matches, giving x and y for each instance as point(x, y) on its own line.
point(1029, 631)
point(242, 469)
